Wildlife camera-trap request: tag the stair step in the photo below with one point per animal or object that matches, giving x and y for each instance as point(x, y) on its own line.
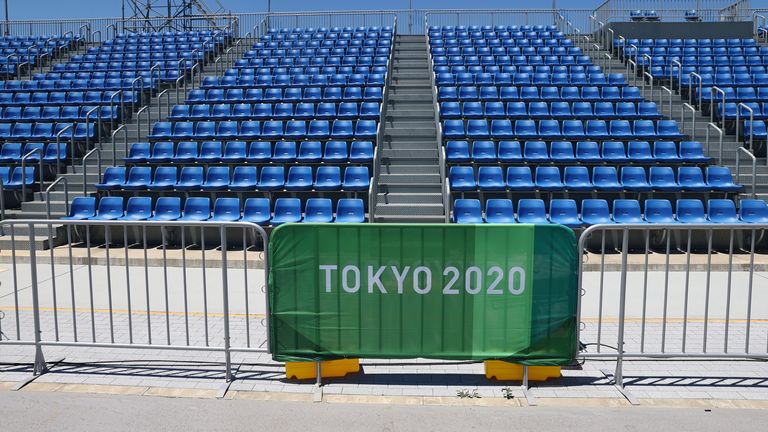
point(410, 198)
point(410, 218)
point(431, 209)
point(419, 178)
point(402, 169)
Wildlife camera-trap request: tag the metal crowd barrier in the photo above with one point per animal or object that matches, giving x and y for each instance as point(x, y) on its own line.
point(672, 291)
point(190, 295)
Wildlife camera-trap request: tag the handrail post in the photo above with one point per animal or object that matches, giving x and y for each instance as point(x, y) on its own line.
point(112, 107)
point(87, 123)
point(716, 89)
point(693, 118)
point(114, 145)
point(720, 131)
point(97, 152)
point(58, 140)
point(48, 196)
point(144, 109)
point(754, 168)
point(661, 99)
point(679, 75)
point(609, 62)
point(650, 79)
point(24, 158)
point(751, 123)
point(690, 90)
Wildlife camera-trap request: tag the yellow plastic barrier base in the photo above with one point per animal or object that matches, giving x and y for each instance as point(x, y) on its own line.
point(328, 369)
point(504, 371)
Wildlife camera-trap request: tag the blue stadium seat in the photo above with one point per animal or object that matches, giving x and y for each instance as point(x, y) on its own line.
point(286, 210)
point(210, 151)
point(361, 151)
point(548, 178)
point(634, 179)
point(722, 211)
point(190, 178)
point(519, 178)
point(659, 211)
point(613, 151)
point(467, 211)
point(588, 152)
point(244, 178)
point(663, 179)
point(256, 210)
point(692, 151)
point(490, 178)
point(576, 178)
point(564, 212)
point(85, 208)
point(483, 151)
point(137, 208)
point(720, 179)
point(627, 211)
point(318, 210)
point(535, 151)
point(499, 211)
point(691, 179)
point(260, 151)
point(234, 151)
point(753, 211)
point(605, 178)
point(327, 178)
point(284, 152)
point(350, 210)
point(216, 178)
point(462, 178)
point(639, 151)
point(299, 178)
point(272, 178)
point(226, 209)
point(167, 209)
point(509, 151)
point(138, 152)
point(310, 152)
point(691, 211)
point(562, 152)
point(595, 211)
point(356, 178)
point(531, 211)
point(197, 208)
point(110, 208)
point(164, 178)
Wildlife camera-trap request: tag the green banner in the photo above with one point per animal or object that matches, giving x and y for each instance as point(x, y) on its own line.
point(459, 292)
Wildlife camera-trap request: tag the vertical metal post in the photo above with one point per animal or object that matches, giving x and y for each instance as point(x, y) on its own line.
point(225, 291)
point(40, 366)
point(618, 376)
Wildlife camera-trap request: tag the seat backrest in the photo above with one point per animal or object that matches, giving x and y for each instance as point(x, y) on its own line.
point(690, 211)
point(83, 207)
point(111, 205)
point(168, 207)
point(627, 211)
point(226, 209)
point(139, 207)
point(594, 211)
point(658, 211)
point(531, 211)
point(499, 211)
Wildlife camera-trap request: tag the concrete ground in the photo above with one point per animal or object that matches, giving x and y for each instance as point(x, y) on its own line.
point(44, 411)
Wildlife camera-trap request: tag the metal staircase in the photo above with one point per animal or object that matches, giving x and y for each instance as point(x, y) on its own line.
point(410, 179)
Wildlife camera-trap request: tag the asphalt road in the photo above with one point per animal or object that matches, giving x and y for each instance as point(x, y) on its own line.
point(40, 411)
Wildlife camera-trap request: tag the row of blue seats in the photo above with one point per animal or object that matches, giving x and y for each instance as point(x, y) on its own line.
point(305, 45)
point(278, 111)
point(242, 178)
point(496, 28)
point(303, 80)
point(560, 79)
point(333, 152)
point(162, 56)
point(701, 52)
point(47, 131)
point(145, 47)
point(552, 110)
point(17, 178)
point(329, 41)
point(596, 211)
point(166, 35)
point(67, 113)
point(126, 84)
point(604, 178)
point(747, 79)
point(272, 31)
point(730, 109)
point(290, 94)
point(682, 76)
point(270, 129)
point(566, 60)
point(723, 60)
point(329, 35)
point(509, 69)
point(316, 61)
point(12, 153)
point(307, 70)
point(731, 94)
point(254, 210)
point(567, 129)
point(533, 93)
point(149, 77)
point(756, 129)
point(344, 51)
point(41, 98)
point(696, 43)
point(38, 40)
point(587, 152)
point(558, 50)
point(167, 68)
point(509, 43)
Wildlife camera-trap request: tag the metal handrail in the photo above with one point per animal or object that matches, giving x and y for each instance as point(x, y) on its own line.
point(96, 109)
point(713, 90)
point(679, 75)
point(634, 71)
point(112, 107)
point(177, 84)
point(97, 152)
point(661, 99)
point(133, 91)
point(690, 89)
point(739, 151)
point(48, 196)
point(650, 63)
point(650, 80)
point(751, 123)
point(24, 170)
point(114, 146)
point(160, 103)
point(93, 33)
point(58, 142)
point(144, 109)
point(608, 62)
point(2, 205)
point(693, 118)
point(720, 131)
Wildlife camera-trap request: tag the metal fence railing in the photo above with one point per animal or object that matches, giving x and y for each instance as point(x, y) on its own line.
point(672, 291)
point(186, 286)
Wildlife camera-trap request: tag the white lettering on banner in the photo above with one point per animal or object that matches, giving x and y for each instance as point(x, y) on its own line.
point(475, 280)
point(374, 279)
point(345, 279)
point(328, 269)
